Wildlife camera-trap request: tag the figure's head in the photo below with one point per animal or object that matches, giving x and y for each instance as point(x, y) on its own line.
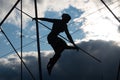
point(66, 17)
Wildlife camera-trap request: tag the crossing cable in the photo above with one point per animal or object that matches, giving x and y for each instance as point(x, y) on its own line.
point(9, 12)
point(63, 38)
point(21, 41)
point(110, 11)
point(18, 54)
point(38, 42)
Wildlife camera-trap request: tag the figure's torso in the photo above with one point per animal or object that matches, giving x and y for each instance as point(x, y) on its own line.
point(58, 27)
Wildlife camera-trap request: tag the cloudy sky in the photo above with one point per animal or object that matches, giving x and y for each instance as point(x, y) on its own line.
point(92, 27)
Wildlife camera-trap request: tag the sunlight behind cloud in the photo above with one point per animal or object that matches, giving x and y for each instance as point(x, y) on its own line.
point(104, 30)
point(100, 24)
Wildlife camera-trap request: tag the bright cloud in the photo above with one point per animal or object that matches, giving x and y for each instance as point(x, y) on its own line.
point(103, 29)
point(101, 25)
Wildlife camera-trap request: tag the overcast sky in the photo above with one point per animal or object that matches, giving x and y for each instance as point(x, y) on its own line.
point(92, 27)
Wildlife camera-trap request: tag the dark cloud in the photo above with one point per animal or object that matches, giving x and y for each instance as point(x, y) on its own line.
point(72, 65)
point(78, 65)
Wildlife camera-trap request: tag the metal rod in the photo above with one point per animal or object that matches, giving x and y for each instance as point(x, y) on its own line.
point(38, 42)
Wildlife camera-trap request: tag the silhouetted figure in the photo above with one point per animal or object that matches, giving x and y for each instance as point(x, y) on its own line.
point(58, 44)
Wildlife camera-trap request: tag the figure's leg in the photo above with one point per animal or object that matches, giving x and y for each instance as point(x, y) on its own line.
point(58, 45)
point(53, 60)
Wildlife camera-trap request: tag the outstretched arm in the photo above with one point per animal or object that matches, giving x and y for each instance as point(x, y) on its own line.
point(46, 19)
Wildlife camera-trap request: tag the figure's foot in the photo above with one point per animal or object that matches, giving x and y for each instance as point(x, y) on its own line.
point(49, 68)
point(51, 64)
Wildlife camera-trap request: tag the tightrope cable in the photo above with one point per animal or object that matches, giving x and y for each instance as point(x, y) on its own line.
point(90, 55)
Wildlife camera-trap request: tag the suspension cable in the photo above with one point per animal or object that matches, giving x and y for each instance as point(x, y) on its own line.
point(110, 11)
